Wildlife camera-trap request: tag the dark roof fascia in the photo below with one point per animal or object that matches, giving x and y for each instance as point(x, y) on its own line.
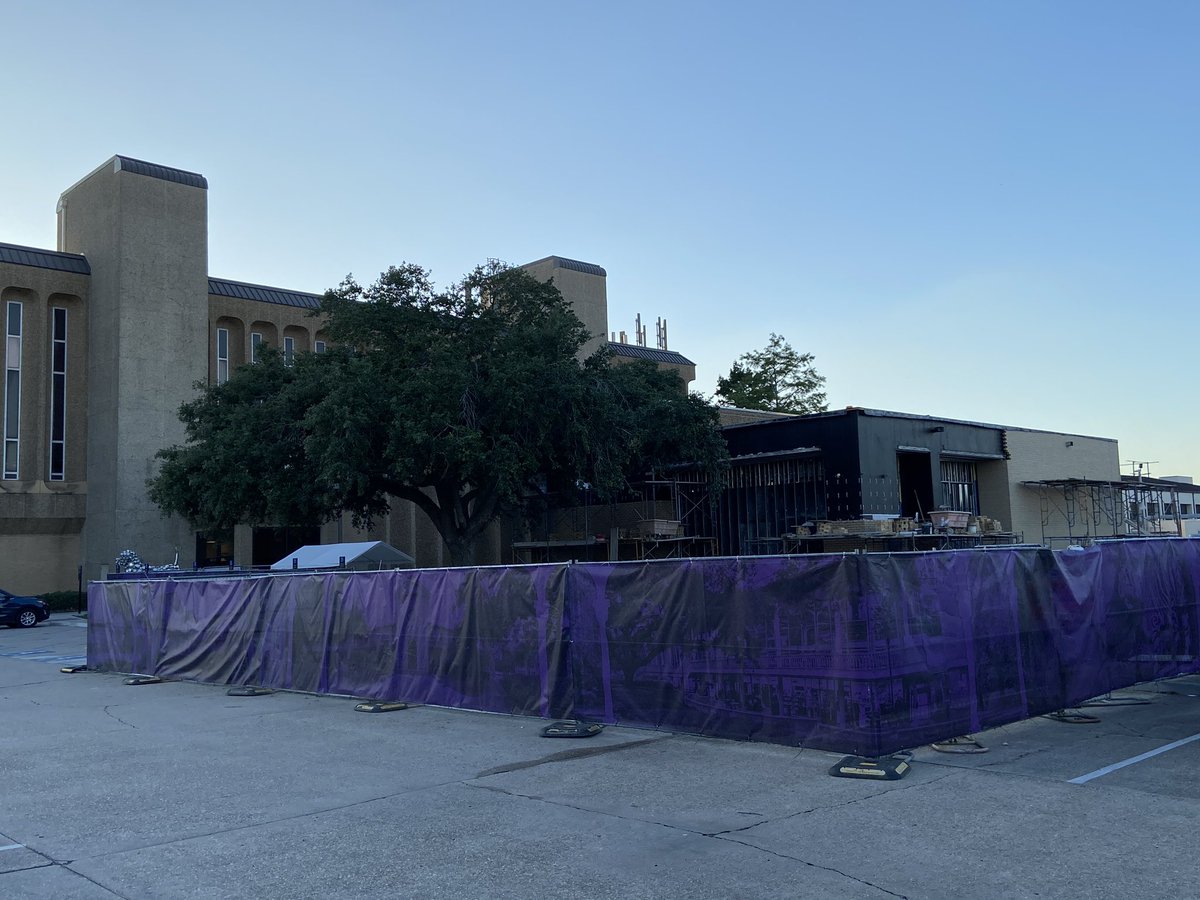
point(654, 354)
point(897, 415)
point(44, 259)
point(887, 414)
point(561, 262)
point(244, 290)
point(774, 454)
point(154, 170)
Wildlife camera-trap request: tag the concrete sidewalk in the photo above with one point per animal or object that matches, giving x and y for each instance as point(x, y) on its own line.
point(178, 790)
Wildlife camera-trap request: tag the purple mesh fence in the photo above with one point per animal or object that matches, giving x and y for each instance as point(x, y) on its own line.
point(864, 653)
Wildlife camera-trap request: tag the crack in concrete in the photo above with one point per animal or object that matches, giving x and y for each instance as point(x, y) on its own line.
point(118, 718)
point(46, 865)
point(721, 835)
point(102, 887)
point(267, 822)
point(814, 865)
point(51, 863)
point(844, 803)
point(585, 809)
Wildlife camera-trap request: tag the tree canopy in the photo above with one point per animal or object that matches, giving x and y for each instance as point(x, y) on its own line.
point(776, 379)
point(458, 400)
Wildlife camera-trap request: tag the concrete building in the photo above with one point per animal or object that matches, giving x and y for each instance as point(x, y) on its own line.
point(106, 337)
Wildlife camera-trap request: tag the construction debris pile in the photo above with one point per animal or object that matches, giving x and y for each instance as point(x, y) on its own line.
point(943, 521)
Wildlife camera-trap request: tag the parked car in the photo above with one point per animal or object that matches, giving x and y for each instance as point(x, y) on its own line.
point(22, 612)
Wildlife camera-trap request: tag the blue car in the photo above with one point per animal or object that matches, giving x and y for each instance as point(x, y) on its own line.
point(22, 612)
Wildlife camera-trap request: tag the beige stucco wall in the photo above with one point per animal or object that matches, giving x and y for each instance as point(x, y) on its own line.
point(39, 563)
point(40, 520)
point(1041, 455)
point(587, 294)
point(273, 321)
point(147, 242)
point(685, 373)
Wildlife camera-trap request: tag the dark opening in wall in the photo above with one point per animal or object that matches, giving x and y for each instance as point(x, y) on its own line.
point(273, 544)
point(916, 484)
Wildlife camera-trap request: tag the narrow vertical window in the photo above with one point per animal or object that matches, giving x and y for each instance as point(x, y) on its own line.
point(222, 355)
point(289, 350)
point(58, 394)
point(319, 347)
point(12, 390)
point(255, 345)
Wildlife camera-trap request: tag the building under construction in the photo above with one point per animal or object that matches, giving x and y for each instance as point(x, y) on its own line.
point(870, 480)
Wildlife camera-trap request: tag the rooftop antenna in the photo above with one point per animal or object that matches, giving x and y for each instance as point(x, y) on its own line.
point(662, 334)
point(639, 331)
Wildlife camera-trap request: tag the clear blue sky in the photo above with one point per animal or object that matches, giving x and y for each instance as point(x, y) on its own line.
point(975, 210)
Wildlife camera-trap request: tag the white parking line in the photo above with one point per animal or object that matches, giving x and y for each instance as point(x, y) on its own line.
point(1084, 779)
point(45, 656)
point(12, 847)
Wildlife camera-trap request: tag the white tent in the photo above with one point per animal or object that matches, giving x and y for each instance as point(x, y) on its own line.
point(360, 556)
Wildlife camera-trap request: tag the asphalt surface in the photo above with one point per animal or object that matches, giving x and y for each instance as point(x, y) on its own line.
point(178, 790)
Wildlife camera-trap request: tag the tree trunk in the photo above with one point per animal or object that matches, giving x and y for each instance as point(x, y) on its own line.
point(462, 552)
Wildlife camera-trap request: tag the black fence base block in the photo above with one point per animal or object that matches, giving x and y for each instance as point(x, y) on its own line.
point(887, 768)
point(1072, 718)
point(71, 670)
point(143, 679)
point(572, 729)
point(247, 691)
point(379, 706)
point(962, 744)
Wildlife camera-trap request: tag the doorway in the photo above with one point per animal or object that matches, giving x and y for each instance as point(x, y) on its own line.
point(915, 474)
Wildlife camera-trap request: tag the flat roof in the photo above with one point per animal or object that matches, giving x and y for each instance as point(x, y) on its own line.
point(883, 413)
point(244, 290)
point(154, 170)
point(561, 262)
point(44, 259)
point(654, 354)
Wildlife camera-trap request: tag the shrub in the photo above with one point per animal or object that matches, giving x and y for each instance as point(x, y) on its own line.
point(62, 601)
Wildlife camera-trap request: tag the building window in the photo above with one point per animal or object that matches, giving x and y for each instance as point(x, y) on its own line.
point(58, 394)
point(1169, 509)
point(960, 486)
point(319, 347)
point(1152, 510)
point(255, 345)
point(289, 350)
point(222, 355)
point(12, 390)
point(1185, 509)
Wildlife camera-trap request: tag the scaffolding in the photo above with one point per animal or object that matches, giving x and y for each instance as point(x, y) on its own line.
point(1094, 508)
point(658, 518)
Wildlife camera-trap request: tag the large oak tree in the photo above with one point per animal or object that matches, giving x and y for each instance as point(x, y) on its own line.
point(459, 401)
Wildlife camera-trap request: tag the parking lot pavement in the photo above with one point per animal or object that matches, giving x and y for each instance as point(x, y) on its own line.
point(178, 790)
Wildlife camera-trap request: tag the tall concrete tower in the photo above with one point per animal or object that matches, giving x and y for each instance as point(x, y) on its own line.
point(584, 286)
point(144, 231)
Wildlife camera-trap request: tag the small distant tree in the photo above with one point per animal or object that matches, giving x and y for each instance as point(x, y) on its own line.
point(776, 379)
